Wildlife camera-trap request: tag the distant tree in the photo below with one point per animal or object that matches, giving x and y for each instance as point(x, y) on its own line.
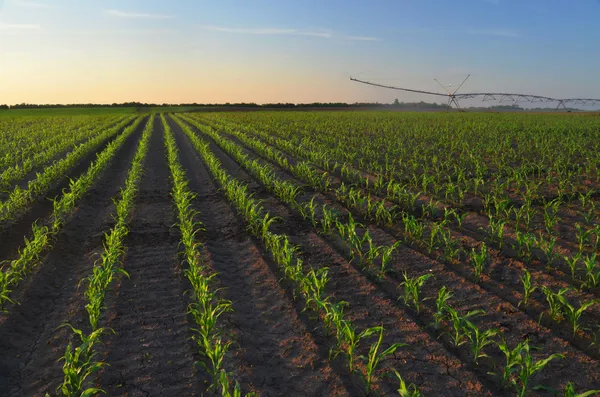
point(396, 102)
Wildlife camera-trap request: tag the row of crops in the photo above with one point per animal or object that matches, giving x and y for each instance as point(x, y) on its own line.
point(482, 230)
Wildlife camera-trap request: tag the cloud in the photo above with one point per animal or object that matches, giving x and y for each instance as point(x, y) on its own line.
point(31, 4)
point(495, 32)
point(18, 26)
point(324, 33)
point(362, 38)
point(268, 31)
point(125, 14)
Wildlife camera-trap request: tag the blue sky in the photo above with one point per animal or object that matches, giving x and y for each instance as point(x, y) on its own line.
point(293, 51)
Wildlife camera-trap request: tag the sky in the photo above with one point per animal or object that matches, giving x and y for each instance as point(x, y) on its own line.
point(264, 51)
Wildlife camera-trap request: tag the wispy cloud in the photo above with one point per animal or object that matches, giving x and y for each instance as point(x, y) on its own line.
point(269, 31)
point(18, 26)
point(31, 4)
point(324, 33)
point(495, 32)
point(139, 15)
point(362, 38)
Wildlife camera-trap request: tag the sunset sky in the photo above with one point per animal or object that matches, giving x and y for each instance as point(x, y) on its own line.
point(67, 51)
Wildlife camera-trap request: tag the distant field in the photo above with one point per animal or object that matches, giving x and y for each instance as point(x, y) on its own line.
point(295, 253)
point(87, 111)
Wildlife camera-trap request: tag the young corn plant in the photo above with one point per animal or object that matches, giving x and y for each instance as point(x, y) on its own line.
point(572, 262)
point(554, 302)
point(478, 261)
point(329, 220)
point(592, 271)
point(459, 333)
point(412, 290)
point(386, 256)
point(413, 228)
point(441, 305)
point(547, 246)
point(497, 230)
point(407, 391)
point(79, 364)
point(348, 339)
point(479, 339)
point(520, 367)
point(570, 392)
point(574, 314)
point(525, 244)
point(374, 357)
point(583, 236)
point(528, 288)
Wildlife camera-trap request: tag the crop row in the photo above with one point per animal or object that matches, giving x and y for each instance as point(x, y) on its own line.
point(23, 137)
point(207, 306)
point(47, 150)
point(20, 199)
point(30, 254)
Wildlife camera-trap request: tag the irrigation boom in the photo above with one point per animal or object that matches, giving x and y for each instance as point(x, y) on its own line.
point(453, 97)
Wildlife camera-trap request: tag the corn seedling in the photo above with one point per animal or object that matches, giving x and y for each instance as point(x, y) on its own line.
point(554, 302)
point(441, 305)
point(79, 364)
point(570, 392)
point(528, 288)
point(412, 290)
point(520, 367)
point(459, 333)
point(572, 262)
point(497, 230)
point(406, 391)
point(479, 339)
point(592, 271)
point(374, 357)
point(478, 261)
point(574, 314)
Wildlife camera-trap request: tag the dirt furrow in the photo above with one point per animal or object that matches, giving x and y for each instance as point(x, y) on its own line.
point(30, 343)
point(150, 353)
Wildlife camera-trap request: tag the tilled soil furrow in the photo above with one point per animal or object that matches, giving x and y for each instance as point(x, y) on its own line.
point(30, 341)
point(273, 352)
point(427, 363)
point(150, 353)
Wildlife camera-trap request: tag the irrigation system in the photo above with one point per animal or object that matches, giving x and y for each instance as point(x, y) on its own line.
point(454, 96)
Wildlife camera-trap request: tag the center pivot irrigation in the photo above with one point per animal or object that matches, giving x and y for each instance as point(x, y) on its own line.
point(454, 97)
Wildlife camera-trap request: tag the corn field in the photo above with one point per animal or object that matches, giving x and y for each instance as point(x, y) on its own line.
point(300, 253)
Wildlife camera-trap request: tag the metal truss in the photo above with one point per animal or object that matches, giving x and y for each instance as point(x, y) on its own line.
point(453, 97)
